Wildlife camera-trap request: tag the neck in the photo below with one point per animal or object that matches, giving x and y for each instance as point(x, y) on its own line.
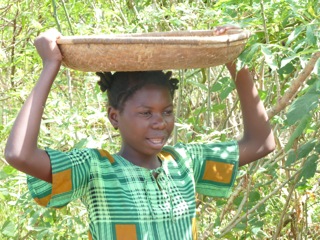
point(149, 162)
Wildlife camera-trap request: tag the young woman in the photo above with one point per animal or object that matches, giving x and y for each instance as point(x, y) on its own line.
point(146, 190)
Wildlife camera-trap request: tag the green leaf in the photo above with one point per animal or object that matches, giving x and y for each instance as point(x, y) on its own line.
point(218, 85)
point(287, 60)
point(81, 144)
point(310, 167)
point(8, 229)
point(254, 196)
point(199, 85)
point(3, 175)
point(306, 148)
point(292, 157)
point(9, 170)
point(311, 38)
point(317, 148)
point(248, 54)
point(303, 105)
point(297, 132)
point(269, 58)
point(294, 34)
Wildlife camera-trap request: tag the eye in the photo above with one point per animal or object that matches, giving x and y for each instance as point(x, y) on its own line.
point(168, 112)
point(145, 114)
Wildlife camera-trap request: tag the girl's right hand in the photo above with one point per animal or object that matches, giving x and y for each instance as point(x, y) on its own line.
point(47, 47)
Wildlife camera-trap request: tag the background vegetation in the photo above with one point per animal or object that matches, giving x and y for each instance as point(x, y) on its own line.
point(275, 198)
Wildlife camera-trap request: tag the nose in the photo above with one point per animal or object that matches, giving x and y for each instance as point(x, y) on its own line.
point(158, 122)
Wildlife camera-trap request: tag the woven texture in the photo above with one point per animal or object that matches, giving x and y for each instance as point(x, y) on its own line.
point(151, 51)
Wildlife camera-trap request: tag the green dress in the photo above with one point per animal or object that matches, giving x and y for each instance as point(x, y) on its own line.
point(125, 201)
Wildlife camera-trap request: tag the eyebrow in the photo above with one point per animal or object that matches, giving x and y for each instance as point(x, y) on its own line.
point(149, 107)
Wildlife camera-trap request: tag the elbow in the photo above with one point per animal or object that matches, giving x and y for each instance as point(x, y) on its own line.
point(270, 148)
point(13, 158)
point(269, 145)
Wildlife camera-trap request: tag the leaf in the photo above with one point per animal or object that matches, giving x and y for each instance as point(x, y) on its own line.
point(297, 132)
point(8, 229)
point(199, 85)
point(317, 148)
point(248, 53)
point(254, 196)
point(296, 32)
point(310, 167)
point(306, 148)
point(287, 60)
point(9, 170)
point(218, 85)
point(269, 58)
point(81, 144)
point(303, 105)
point(311, 38)
point(3, 175)
point(292, 157)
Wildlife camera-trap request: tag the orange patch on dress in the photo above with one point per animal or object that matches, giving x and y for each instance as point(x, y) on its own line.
point(126, 231)
point(61, 182)
point(218, 172)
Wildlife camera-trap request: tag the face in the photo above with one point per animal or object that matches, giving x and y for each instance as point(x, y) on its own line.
point(145, 122)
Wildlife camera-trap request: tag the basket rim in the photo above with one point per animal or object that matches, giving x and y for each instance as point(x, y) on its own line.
point(174, 37)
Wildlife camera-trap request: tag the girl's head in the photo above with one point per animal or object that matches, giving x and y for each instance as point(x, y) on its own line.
point(140, 106)
point(120, 86)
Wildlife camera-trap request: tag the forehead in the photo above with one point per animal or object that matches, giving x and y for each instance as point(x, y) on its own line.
point(149, 95)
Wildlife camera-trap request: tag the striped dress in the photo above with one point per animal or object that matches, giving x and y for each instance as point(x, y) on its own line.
point(125, 201)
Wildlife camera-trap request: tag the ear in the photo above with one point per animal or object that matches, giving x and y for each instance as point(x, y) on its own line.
point(113, 117)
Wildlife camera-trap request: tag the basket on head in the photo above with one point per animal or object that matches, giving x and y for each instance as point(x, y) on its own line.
point(152, 51)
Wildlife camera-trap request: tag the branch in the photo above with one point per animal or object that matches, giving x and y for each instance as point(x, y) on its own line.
point(295, 85)
point(227, 228)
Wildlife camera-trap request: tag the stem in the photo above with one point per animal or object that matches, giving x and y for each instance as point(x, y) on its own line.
point(295, 85)
point(175, 133)
point(284, 210)
point(226, 229)
point(55, 15)
point(120, 11)
point(264, 22)
point(209, 100)
point(67, 15)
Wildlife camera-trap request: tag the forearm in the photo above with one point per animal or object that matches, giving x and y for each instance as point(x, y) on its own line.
point(22, 142)
point(257, 140)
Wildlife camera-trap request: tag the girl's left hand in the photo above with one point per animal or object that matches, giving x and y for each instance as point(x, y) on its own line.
point(220, 30)
point(47, 47)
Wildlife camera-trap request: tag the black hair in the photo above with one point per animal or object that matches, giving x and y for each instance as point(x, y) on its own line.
point(122, 85)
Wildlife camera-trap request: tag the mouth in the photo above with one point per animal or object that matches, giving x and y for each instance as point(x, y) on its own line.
point(157, 142)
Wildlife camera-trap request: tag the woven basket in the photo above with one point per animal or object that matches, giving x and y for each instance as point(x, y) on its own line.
point(151, 51)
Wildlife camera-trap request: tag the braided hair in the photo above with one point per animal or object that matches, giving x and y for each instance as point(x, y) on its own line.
point(122, 85)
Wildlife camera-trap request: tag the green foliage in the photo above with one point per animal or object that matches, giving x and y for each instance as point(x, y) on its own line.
point(284, 36)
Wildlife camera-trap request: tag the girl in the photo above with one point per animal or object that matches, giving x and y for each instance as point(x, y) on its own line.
point(146, 190)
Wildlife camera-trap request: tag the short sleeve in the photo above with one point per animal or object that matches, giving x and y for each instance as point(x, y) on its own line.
point(70, 177)
point(214, 165)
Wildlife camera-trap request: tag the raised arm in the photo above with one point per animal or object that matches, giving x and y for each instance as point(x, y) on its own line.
point(22, 150)
point(258, 139)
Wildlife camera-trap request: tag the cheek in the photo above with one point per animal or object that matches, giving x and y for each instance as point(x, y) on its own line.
point(170, 122)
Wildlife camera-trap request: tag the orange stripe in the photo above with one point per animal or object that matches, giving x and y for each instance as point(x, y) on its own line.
point(106, 154)
point(165, 156)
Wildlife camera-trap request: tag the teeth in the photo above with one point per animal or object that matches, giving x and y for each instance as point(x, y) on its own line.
point(156, 140)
